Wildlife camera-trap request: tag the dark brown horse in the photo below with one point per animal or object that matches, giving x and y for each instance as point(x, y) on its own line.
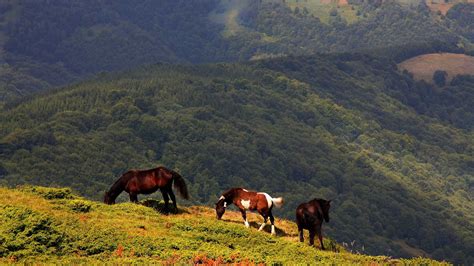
point(248, 200)
point(310, 216)
point(136, 182)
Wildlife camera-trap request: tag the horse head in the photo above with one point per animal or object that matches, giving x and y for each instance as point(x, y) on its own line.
point(326, 204)
point(108, 199)
point(221, 205)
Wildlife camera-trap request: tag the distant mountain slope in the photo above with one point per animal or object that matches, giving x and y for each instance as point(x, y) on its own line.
point(395, 154)
point(45, 44)
point(62, 228)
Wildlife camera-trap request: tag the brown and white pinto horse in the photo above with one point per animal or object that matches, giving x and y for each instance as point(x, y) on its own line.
point(248, 200)
point(136, 182)
point(310, 216)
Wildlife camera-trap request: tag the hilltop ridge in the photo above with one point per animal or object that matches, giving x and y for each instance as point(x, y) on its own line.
point(47, 225)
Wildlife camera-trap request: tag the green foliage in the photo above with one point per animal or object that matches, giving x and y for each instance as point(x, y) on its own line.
point(49, 193)
point(439, 77)
point(28, 233)
point(79, 205)
point(462, 15)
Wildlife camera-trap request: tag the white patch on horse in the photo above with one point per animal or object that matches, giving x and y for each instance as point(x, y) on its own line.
point(273, 230)
point(247, 223)
point(245, 190)
point(269, 199)
point(245, 204)
point(262, 226)
point(221, 198)
point(225, 204)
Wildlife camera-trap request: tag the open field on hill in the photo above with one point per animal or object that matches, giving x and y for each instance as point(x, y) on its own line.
point(444, 6)
point(45, 225)
point(423, 67)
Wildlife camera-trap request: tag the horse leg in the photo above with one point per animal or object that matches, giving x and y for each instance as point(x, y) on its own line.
point(244, 216)
point(320, 236)
point(264, 215)
point(133, 197)
point(312, 232)
point(165, 198)
point(272, 221)
point(173, 198)
point(300, 231)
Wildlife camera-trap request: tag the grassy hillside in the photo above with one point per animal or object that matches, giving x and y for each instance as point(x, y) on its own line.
point(47, 225)
point(395, 154)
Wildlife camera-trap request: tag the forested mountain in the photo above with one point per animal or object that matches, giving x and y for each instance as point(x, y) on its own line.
point(44, 44)
point(394, 154)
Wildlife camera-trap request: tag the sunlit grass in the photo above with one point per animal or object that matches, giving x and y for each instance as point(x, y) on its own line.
point(64, 228)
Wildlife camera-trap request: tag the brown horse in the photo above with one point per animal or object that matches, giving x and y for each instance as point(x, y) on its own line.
point(247, 200)
point(310, 216)
point(136, 182)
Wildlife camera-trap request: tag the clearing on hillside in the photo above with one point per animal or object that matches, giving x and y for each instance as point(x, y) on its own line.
point(423, 67)
point(444, 6)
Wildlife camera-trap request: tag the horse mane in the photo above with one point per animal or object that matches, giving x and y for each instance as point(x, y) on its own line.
point(319, 201)
point(230, 194)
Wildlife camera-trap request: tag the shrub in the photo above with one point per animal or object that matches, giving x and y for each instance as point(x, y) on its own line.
point(80, 205)
point(439, 77)
point(24, 232)
point(50, 193)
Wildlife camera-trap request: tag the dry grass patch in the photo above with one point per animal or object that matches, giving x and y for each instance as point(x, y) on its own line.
point(423, 67)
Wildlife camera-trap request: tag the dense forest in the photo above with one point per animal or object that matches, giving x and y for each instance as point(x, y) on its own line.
point(45, 44)
point(394, 154)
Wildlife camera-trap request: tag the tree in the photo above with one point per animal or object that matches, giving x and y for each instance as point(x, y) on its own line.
point(439, 77)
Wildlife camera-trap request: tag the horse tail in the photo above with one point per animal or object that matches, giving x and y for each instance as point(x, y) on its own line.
point(278, 201)
point(117, 188)
point(180, 185)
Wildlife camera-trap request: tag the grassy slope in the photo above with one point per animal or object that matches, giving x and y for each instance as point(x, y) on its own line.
point(45, 225)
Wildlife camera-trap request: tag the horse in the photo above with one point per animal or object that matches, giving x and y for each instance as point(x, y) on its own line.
point(136, 182)
point(310, 216)
point(249, 200)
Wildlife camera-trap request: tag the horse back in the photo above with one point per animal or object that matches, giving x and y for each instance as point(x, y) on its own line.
point(146, 181)
point(251, 200)
point(307, 215)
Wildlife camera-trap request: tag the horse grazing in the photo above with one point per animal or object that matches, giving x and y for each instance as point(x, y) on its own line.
point(247, 200)
point(136, 182)
point(310, 216)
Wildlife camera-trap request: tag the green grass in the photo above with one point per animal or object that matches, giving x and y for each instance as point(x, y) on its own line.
point(322, 9)
point(48, 225)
